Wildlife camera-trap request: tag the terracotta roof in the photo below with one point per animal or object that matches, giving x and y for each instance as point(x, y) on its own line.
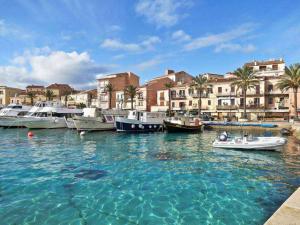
point(264, 63)
point(59, 86)
point(109, 76)
point(35, 86)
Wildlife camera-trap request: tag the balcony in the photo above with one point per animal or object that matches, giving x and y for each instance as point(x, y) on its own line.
point(161, 98)
point(178, 97)
point(198, 95)
point(254, 106)
point(227, 107)
point(225, 94)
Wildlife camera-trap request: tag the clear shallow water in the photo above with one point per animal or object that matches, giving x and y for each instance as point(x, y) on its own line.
point(110, 178)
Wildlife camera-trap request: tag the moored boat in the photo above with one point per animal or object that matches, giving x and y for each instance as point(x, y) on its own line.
point(138, 121)
point(184, 124)
point(249, 142)
point(10, 114)
point(94, 120)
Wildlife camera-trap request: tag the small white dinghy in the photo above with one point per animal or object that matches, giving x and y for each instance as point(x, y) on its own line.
point(249, 142)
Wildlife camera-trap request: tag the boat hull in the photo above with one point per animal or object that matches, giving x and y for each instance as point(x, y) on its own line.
point(173, 127)
point(92, 124)
point(46, 123)
point(260, 143)
point(13, 122)
point(130, 125)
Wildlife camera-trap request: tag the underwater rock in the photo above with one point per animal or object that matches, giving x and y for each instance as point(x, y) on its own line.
point(91, 174)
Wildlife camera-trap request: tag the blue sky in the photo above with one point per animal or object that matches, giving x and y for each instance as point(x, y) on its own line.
point(74, 41)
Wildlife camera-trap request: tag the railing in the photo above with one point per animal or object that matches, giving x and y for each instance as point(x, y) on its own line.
point(178, 97)
point(198, 95)
point(227, 107)
point(226, 94)
point(254, 106)
point(162, 98)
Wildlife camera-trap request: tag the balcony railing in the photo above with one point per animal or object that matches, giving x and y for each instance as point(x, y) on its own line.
point(198, 95)
point(174, 97)
point(254, 106)
point(226, 94)
point(161, 98)
point(227, 107)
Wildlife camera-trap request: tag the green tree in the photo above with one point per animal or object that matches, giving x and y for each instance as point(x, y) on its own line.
point(169, 85)
point(245, 80)
point(131, 92)
point(110, 89)
point(31, 95)
point(81, 105)
point(67, 94)
point(200, 85)
point(291, 81)
point(49, 95)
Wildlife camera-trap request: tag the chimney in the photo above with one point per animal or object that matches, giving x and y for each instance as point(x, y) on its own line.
point(167, 72)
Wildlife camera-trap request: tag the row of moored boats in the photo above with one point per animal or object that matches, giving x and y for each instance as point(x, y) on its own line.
point(49, 115)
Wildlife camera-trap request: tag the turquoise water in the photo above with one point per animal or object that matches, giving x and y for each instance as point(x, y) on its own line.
point(57, 177)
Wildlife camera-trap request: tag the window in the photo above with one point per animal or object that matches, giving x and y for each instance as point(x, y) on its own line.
point(181, 92)
point(181, 104)
point(232, 89)
point(270, 87)
point(270, 100)
point(241, 102)
point(161, 104)
point(262, 67)
point(257, 88)
point(1, 92)
point(209, 90)
point(232, 102)
point(191, 91)
point(275, 67)
point(190, 103)
point(219, 102)
point(256, 101)
point(173, 104)
point(219, 89)
point(208, 102)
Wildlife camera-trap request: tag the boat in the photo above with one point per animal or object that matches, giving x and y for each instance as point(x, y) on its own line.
point(94, 120)
point(286, 132)
point(9, 115)
point(183, 124)
point(18, 121)
point(139, 121)
point(239, 124)
point(249, 142)
point(51, 116)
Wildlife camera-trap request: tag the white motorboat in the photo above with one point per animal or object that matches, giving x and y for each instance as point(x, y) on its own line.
point(9, 114)
point(138, 121)
point(53, 116)
point(17, 120)
point(249, 142)
point(94, 120)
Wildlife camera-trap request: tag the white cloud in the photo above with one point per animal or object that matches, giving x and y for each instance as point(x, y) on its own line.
point(11, 31)
point(217, 39)
point(74, 68)
point(150, 63)
point(180, 36)
point(162, 13)
point(235, 48)
point(115, 44)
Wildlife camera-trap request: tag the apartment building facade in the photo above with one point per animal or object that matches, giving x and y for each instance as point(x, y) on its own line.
point(59, 90)
point(119, 82)
point(7, 94)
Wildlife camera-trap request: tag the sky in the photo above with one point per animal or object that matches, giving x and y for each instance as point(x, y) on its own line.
point(76, 41)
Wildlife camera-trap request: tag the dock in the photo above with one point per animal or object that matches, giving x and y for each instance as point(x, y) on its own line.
point(288, 213)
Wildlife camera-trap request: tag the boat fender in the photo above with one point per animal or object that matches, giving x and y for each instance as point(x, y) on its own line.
point(141, 126)
point(30, 134)
point(154, 126)
point(150, 126)
point(223, 137)
point(82, 133)
point(132, 126)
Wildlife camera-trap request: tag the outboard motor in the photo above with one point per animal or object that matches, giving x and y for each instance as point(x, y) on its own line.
point(223, 136)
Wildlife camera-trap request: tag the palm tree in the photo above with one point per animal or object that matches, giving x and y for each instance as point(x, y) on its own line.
point(109, 88)
point(291, 80)
point(49, 95)
point(169, 85)
point(31, 95)
point(67, 94)
point(131, 92)
point(245, 80)
point(200, 84)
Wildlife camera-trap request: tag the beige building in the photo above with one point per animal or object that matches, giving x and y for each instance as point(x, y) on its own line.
point(82, 98)
point(7, 93)
point(59, 90)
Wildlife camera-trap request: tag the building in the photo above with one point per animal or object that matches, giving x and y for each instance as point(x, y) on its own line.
point(6, 93)
point(59, 90)
point(119, 82)
point(86, 98)
point(35, 88)
point(181, 81)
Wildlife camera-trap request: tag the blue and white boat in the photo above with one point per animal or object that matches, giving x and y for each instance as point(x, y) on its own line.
point(138, 121)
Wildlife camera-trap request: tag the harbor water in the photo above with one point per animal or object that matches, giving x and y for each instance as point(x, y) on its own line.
point(60, 177)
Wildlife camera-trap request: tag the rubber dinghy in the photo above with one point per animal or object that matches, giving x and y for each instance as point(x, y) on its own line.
point(249, 142)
